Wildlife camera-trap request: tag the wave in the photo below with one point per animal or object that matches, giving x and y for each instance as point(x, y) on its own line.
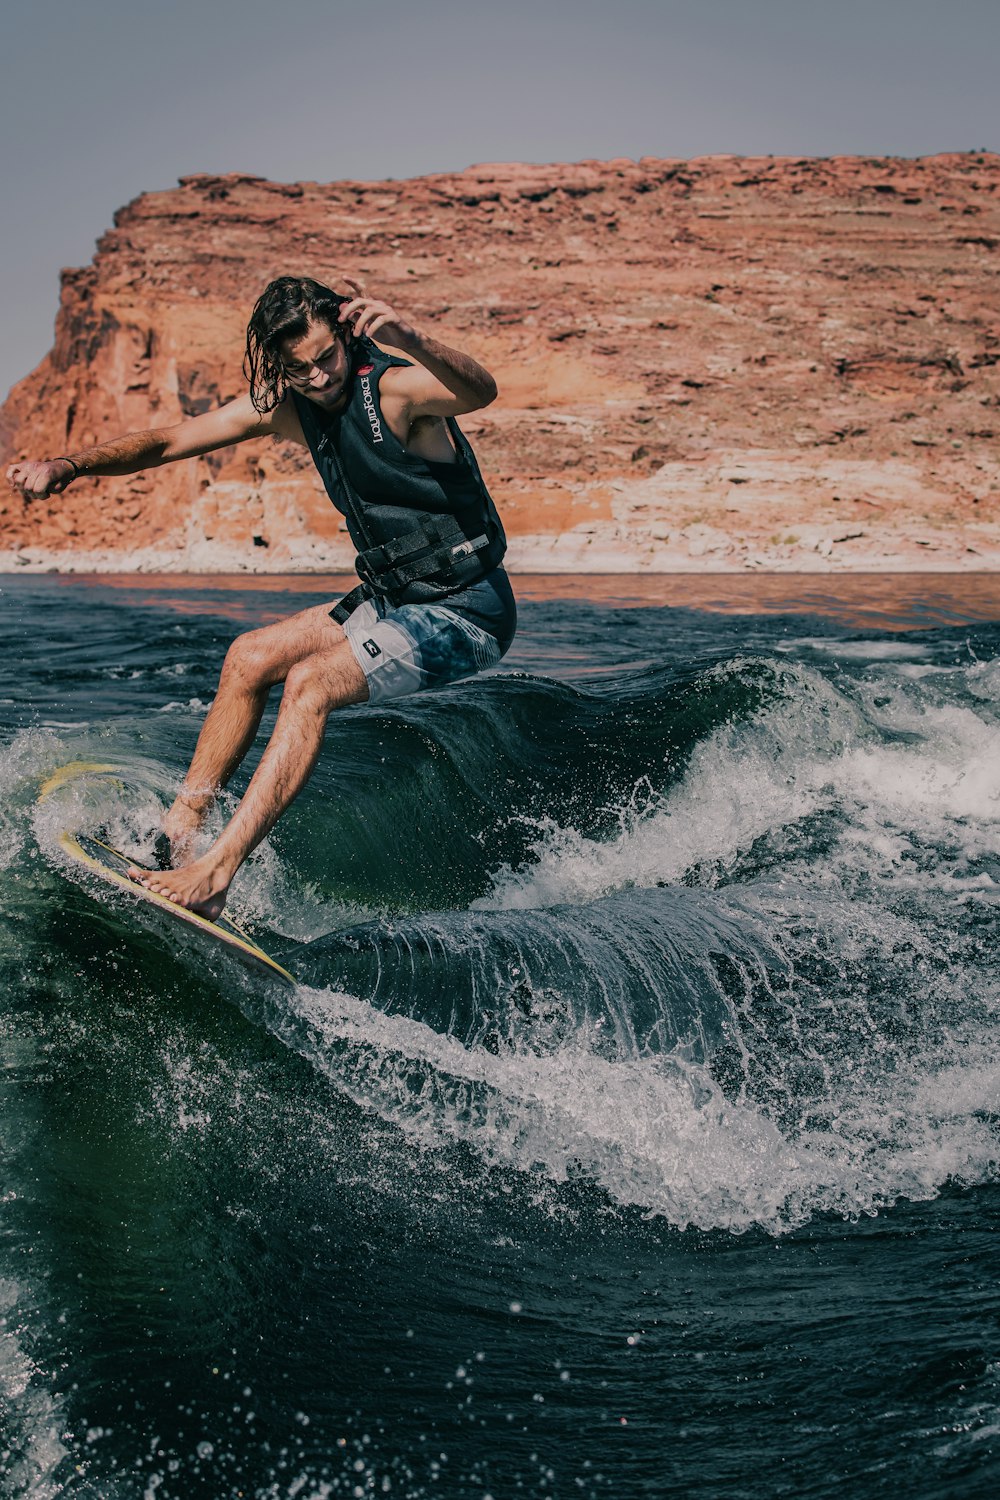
point(634, 975)
point(716, 939)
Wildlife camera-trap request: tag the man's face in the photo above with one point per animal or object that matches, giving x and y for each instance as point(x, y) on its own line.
point(317, 365)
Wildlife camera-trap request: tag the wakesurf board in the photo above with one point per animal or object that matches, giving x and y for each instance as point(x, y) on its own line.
point(111, 866)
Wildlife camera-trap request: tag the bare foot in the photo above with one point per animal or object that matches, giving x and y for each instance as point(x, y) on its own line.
point(182, 825)
point(201, 887)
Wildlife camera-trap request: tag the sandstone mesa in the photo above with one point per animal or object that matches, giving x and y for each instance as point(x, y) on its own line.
point(714, 364)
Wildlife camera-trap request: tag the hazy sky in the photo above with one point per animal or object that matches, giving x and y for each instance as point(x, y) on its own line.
point(104, 99)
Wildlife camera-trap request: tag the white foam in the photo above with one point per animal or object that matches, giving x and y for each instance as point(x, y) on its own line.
point(932, 771)
point(653, 1133)
point(867, 650)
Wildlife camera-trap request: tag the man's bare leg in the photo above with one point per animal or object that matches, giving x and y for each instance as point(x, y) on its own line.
point(254, 663)
point(327, 680)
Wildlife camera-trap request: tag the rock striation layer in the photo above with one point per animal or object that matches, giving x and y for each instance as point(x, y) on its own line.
point(720, 363)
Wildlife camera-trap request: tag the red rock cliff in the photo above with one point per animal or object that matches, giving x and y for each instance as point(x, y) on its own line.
point(721, 362)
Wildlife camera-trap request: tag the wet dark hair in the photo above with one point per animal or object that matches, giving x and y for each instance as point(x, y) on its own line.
point(284, 310)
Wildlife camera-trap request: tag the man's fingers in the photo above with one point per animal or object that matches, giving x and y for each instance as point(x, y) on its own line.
point(36, 481)
point(375, 312)
point(33, 481)
point(367, 316)
point(364, 308)
point(379, 322)
point(363, 319)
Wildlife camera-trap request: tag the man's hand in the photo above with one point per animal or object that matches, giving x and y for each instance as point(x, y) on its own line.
point(36, 480)
point(367, 317)
point(442, 383)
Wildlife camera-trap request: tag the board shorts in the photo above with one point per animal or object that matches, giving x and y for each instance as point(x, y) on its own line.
point(414, 647)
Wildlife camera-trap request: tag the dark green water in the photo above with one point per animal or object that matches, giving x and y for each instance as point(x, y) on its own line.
point(633, 1130)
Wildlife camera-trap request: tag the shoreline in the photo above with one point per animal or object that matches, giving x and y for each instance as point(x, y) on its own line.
point(690, 552)
point(895, 601)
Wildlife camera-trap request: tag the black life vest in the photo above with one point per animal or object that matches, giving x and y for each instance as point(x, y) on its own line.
point(423, 530)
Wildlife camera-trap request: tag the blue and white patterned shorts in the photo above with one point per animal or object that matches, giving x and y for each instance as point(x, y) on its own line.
point(416, 646)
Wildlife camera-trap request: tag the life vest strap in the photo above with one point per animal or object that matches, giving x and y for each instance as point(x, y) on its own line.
point(344, 608)
point(433, 551)
point(399, 548)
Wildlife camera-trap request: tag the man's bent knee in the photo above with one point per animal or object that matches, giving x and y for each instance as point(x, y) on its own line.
point(247, 659)
point(327, 680)
point(261, 658)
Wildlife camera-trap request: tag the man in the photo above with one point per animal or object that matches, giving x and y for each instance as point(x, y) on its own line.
point(434, 604)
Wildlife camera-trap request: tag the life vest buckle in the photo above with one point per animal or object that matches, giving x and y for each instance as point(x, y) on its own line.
point(419, 555)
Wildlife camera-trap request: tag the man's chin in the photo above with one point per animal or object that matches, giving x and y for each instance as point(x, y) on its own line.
point(329, 400)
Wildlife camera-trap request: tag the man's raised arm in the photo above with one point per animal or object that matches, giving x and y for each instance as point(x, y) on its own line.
point(443, 383)
point(36, 479)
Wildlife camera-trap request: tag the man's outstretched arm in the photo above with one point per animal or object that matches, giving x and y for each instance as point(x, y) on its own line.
point(36, 479)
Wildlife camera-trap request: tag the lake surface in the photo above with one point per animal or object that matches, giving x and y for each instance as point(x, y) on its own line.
point(634, 1126)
